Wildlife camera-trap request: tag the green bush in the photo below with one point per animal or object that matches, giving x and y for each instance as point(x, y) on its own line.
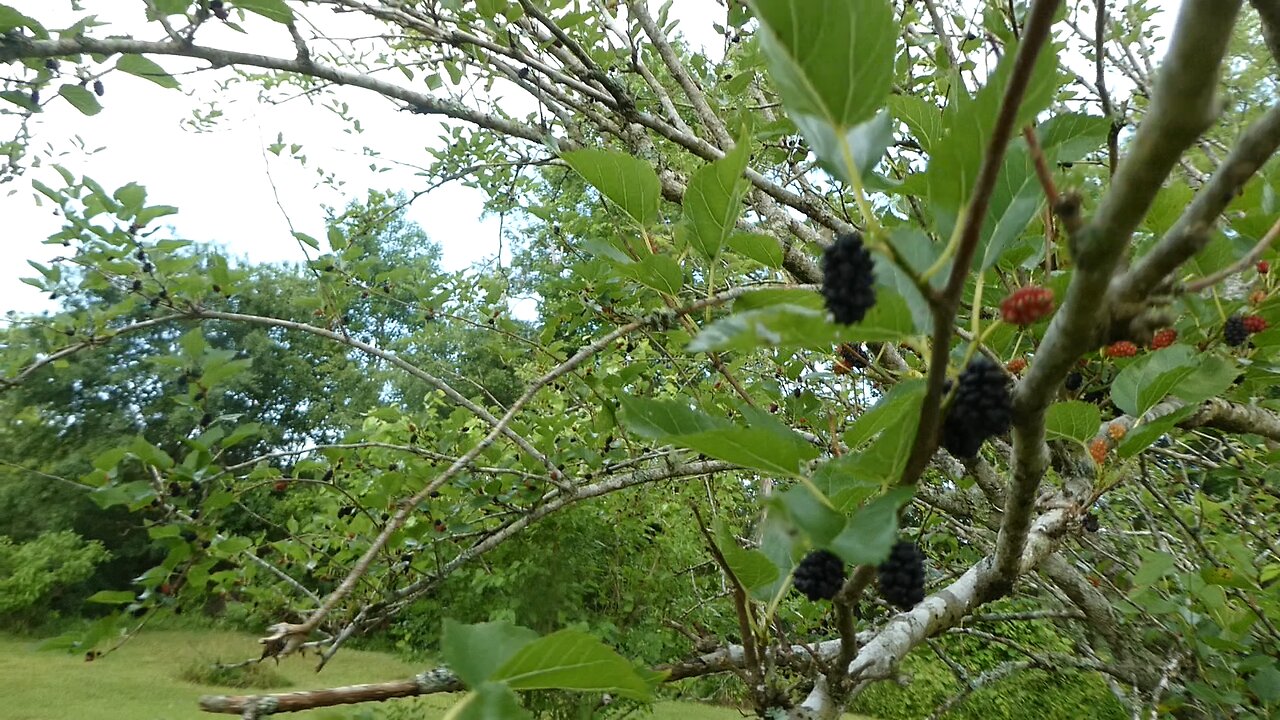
point(39, 578)
point(1022, 696)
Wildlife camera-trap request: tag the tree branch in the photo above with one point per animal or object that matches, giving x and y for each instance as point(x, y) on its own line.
point(1192, 231)
point(1182, 107)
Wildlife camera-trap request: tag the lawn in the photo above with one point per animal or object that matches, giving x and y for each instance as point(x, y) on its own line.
point(141, 681)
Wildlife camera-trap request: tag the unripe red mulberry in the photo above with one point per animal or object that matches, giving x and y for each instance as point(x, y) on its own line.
point(1264, 267)
point(1016, 365)
point(1254, 323)
point(1164, 338)
point(1120, 349)
point(1027, 305)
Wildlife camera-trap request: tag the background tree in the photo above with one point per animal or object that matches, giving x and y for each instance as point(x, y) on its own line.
point(671, 219)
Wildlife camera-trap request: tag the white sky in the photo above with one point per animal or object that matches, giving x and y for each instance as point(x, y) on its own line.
point(219, 179)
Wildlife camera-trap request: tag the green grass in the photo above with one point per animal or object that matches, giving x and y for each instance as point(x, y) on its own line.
point(143, 680)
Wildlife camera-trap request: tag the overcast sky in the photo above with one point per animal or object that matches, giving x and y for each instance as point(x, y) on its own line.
point(221, 180)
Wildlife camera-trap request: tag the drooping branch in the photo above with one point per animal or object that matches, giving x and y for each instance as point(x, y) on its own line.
point(17, 48)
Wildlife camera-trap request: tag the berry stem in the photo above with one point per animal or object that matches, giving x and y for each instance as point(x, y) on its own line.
point(859, 194)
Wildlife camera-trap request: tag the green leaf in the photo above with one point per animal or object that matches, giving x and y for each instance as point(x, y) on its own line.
point(83, 100)
point(111, 597)
point(762, 248)
point(11, 19)
point(1074, 420)
point(661, 419)
point(147, 214)
point(167, 7)
point(845, 481)
point(21, 99)
point(271, 9)
point(476, 652)
point(797, 326)
point(660, 272)
point(147, 70)
point(902, 401)
point(242, 432)
point(490, 8)
point(873, 530)
point(752, 568)
point(1146, 382)
point(811, 514)
point(1212, 376)
point(1266, 684)
point(1141, 437)
point(150, 454)
point(307, 240)
point(969, 122)
point(753, 447)
point(572, 660)
point(921, 117)
point(1155, 565)
point(489, 701)
point(831, 59)
point(627, 181)
point(713, 200)
point(1071, 136)
point(131, 197)
point(862, 145)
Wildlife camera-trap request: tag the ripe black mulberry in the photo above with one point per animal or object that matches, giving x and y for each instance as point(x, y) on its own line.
point(820, 575)
point(848, 279)
point(980, 409)
point(1234, 331)
point(901, 576)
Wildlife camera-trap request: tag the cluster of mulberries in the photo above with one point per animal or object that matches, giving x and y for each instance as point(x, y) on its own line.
point(1027, 305)
point(848, 279)
point(820, 575)
point(901, 576)
point(980, 409)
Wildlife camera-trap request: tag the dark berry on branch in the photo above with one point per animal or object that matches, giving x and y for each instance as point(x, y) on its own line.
point(1234, 332)
point(820, 575)
point(901, 576)
point(980, 409)
point(848, 279)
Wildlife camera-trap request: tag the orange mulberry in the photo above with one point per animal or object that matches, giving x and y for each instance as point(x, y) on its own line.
point(1098, 449)
point(1117, 431)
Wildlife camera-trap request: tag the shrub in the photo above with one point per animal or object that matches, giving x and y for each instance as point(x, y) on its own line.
point(39, 577)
